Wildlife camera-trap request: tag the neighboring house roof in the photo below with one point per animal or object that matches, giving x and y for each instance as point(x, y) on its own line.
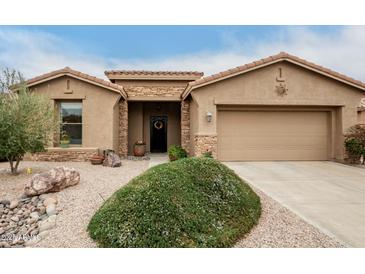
point(78, 75)
point(282, 56)
point(153, 75)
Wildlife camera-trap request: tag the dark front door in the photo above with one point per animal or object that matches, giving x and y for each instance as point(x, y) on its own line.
point(158, 126)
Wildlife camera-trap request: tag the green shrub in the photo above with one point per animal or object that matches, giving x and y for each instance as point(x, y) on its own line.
point(208, 154)
point(354, 150)
point(355, 143)
point(176, 153)
point(193, 202)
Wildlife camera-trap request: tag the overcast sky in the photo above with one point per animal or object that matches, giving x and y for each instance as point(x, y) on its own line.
point(39, 49)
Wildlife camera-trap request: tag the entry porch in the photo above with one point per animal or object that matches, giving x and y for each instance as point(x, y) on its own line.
point(158, 124)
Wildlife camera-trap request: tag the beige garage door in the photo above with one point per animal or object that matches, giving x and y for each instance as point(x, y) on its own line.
point(272, 135)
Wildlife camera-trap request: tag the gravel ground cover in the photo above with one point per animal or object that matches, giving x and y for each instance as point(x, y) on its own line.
point(277, 227)
point(78, 203)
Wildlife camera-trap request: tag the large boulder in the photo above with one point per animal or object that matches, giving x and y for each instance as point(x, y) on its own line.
point(112, 160)
point(53, 180)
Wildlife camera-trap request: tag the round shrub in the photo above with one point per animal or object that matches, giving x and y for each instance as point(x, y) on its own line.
point(355, 143)
point(354, 150)
point(176, 152)
point(193, 202)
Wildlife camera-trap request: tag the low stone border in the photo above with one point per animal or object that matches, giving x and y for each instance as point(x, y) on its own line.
point(137, 158)
point(27, 220)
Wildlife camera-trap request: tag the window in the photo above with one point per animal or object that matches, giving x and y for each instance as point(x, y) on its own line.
point(71, 121)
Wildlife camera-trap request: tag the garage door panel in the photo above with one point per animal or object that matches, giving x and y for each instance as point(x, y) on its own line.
point(272, 135)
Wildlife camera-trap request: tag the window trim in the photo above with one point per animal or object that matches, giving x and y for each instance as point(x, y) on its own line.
point(62, 124)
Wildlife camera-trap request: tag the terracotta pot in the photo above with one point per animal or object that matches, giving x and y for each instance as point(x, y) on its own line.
point(96, 160)
point(139, 150)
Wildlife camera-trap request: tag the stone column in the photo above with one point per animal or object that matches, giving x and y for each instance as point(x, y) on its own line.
point(185, 125)
point(205, 143)
point(123, 128)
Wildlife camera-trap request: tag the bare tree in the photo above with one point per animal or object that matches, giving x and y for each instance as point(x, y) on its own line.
point(8, 78)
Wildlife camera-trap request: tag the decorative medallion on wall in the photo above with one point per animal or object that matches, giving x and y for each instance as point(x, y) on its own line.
point(280, 86)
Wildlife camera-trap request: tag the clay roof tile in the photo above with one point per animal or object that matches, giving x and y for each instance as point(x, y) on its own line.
point(281, 55)
point(147, 72)
point(68, 70)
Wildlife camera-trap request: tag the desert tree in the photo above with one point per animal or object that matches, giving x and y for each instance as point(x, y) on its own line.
point(27, 124)
point(9, 78)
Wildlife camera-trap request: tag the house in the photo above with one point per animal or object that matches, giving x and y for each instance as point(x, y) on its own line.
point(278, 108)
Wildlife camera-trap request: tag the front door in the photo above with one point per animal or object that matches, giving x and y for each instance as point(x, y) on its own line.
point(158, 133)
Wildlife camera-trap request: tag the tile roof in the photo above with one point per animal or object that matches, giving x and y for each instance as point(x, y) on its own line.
point(271, 59)
point(83, 76)
point(145, 74)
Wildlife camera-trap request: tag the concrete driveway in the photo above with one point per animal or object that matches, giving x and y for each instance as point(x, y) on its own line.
point(328, 195)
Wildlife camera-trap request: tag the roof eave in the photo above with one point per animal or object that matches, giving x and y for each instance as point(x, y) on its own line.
point(152, 77)
point(190, 87)
point(120, 91)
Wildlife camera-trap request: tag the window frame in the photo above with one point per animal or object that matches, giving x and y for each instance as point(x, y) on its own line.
point(60, 102)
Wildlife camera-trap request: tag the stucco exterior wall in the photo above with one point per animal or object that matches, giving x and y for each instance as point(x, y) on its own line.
point(98, 108)
point(257, 88)
point(361, 117)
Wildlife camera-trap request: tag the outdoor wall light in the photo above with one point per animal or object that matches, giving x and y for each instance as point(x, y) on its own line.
point(209, 116)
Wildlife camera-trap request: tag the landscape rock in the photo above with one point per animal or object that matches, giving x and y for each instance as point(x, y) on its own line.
point(112, 160)
point(22, 220)
point(49, 201)
point(15, 218)
point(13, 204)
point(34, 232)
point(31, 221)
point(51, 209)
point(5, 202)
point(34, 215)
point(47, 224)
point(43, 196)
point(54, 180)
point(43, 234)
point(4, 244)
point(42, 210)
point(32, 241)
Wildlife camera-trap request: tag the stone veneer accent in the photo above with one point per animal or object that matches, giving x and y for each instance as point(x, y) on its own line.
point(148, 91)
point(185, 125)
point(205, 143)
point(63, 155)
point(123, 128)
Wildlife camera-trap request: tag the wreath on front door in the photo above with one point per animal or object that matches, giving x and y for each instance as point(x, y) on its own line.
point(158, 125)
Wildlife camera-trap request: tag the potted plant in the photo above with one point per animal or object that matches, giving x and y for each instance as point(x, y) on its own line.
point(97, 159)
point(176, 152)
point(65, 140)
point(139, 148)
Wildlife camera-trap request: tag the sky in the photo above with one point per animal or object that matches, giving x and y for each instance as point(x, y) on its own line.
point(35, 50)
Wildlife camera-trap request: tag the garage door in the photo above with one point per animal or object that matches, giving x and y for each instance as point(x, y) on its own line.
point(272, 135)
